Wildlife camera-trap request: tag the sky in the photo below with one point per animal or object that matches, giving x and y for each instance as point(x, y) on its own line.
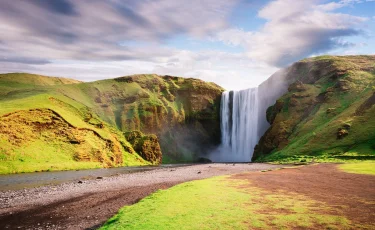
point(235, 43)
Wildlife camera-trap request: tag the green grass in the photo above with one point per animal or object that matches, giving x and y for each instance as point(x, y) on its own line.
point(34, 79)
point(223, 203)
point(37, 152)
point(359, 167)
point(39, 156)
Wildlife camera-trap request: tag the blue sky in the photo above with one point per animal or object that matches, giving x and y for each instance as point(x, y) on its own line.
point(236, 44)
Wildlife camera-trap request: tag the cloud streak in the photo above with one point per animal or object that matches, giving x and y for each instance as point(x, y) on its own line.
point(95, 30)
point(295, 30)
point(94, 39)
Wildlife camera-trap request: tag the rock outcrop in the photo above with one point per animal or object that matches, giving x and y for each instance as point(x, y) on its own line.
point(147, 146)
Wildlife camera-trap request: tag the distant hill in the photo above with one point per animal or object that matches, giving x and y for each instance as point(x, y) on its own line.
point(33, 79)
point(328, 112)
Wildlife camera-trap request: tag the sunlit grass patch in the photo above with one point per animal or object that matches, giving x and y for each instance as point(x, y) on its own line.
point(367, 167)
point(223, 203)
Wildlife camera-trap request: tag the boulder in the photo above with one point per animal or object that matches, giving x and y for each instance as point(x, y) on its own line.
point(341, 133)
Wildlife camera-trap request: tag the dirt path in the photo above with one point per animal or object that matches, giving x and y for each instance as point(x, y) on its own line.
point(87, 205)
point(88, 211)
point(351, 194)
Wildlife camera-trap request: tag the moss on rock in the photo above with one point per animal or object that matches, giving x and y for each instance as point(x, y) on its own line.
point(147, 146)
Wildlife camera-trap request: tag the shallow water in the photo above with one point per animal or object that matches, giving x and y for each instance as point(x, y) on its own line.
point(36, 179)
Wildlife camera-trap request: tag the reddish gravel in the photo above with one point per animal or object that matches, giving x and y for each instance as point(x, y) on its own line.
point(351, 194)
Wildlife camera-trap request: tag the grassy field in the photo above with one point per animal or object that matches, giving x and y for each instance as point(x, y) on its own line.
point(221, 203)
point(367, 167)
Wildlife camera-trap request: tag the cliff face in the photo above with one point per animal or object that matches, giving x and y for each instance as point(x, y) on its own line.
point(86, 125)
point(183, 113)
point(327, 111)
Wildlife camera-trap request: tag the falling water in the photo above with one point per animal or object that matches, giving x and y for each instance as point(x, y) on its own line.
point(239, 123)
point(243, 119)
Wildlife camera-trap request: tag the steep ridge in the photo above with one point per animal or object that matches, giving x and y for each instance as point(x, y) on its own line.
point(327, 111)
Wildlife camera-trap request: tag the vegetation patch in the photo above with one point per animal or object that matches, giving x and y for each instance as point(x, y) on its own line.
point(367, 167)
point(41, 140)
point(225, 203)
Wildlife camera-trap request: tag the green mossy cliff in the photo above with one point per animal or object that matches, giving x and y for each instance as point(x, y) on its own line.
point(182, 112)
point(326, 113)
point(49, 123)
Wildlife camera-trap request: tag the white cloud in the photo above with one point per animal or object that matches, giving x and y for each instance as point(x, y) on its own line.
point(233, 71)
point(77, 40)
point(93, 30)
point(294, 30)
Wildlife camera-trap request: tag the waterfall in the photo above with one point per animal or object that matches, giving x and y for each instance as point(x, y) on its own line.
point(243, 118)
point(239, 124)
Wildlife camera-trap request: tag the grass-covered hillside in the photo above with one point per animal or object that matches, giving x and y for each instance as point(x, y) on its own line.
point(327, 113)
point(183, 113)
point(42, 129)
point(49, 123)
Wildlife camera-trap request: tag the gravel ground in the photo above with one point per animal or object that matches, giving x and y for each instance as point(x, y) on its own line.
point(87, 204)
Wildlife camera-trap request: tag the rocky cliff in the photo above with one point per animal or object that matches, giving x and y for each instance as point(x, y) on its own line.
point(49, 123)
point(182, 112)
point(326, 112)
